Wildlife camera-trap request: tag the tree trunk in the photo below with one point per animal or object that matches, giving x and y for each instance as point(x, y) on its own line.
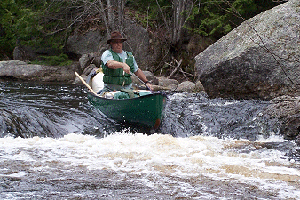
point(102, 11)
point(181, 11)
point(120, 14)
point(113, 8)
point(110, 15)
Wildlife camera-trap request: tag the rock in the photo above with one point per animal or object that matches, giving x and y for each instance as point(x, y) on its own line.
point(23, 53)
point(190, 87)
point(283, 107)
point(290, 127)
point(90, 58)
point(298, 140)
point(186, 86)
point(20, 70)
point(150, 77)
point(138, 42)
point(287, 110)
point(78, 81)
point(166, 82)
point(199, 87)
point(26, 53)
point(91, 41)
point(257, 60)
point(88, 69)
point(84, 61)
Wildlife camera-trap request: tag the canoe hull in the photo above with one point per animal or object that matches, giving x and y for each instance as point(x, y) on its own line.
point(146, 110)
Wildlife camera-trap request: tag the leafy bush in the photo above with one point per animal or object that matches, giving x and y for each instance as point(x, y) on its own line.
point(217, 18)
point(61, 60)
point(19, 22)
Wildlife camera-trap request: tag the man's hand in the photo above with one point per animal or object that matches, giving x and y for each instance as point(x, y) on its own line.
point(126, 68)
point(115, 65)
point(149, 86)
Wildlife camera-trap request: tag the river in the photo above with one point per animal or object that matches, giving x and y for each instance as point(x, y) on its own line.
point(55, 145)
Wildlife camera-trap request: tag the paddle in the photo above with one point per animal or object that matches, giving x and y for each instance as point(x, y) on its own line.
point(141, 81)
point(87, 85)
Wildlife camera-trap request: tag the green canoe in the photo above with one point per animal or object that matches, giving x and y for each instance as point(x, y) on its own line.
point(146, 110)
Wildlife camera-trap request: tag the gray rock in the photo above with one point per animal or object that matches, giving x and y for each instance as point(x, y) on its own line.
point(291, 127)
point(88, 69)
point(20, 70)
point(90, 58)
point(91, 41)
point(283, 107)
point(186, 86)
point(94, 41)
point(287, 110)
point(26, 53)
point(150, 77)
point(138, 43)
point(259, 59)
point(166, 82)
point(199, 87)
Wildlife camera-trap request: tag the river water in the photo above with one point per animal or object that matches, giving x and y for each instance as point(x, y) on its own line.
point(55, 145)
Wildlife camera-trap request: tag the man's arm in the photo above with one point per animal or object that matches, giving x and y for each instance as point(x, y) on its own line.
point(115, 64)
point(142, 76)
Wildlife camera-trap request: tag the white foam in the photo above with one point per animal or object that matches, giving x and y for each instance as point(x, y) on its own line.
point(14, 175)
point(272, 138)
point(161, 154)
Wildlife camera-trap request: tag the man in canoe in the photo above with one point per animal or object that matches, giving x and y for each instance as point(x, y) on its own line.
point(118, 66)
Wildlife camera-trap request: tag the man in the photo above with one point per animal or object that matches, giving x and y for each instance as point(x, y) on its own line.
point(118, 65)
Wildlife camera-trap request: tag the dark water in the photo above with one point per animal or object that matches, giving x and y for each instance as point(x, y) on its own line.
point(29, 110)
point(55, 145)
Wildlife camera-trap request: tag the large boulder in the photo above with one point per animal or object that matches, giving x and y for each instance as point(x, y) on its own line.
point(79, 44)
point(138, 43)
point(94, 41)
point(20, 70)
point(259, 59)
point(27, 53)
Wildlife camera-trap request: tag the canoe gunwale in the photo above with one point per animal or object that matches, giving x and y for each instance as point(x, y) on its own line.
point(131, 99)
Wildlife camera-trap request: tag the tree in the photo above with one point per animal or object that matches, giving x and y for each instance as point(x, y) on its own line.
point(216, 18)
point(114, 15)
point(18, 21)
point(49, 22)
point(181, 10)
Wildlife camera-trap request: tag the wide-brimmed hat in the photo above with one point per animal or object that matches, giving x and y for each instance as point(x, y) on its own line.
point(116, 35)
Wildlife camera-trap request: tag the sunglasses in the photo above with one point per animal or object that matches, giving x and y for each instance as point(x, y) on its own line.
point(116, 41)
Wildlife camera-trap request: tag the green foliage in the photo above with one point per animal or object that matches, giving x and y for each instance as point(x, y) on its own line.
point(208, 17)
point(19, 21)
point(33, 23)
point(217, 18)
point(49, 22)
point(61, 60)
point(151, 11)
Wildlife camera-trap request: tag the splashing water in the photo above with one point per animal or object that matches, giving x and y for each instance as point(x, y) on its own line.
point(205, 149)
point(164, 166)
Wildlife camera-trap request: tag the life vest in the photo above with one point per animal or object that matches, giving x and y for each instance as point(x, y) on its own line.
point(115, 76)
